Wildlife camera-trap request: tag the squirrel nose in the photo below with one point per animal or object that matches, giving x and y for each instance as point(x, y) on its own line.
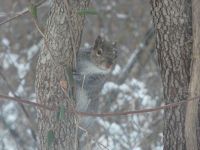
point(109, 64)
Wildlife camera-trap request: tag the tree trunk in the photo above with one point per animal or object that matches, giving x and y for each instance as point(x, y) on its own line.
point(173, 26)
point(192, 122)
point(62, 41)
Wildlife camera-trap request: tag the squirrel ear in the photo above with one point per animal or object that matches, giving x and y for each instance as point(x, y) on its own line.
point(98, 41)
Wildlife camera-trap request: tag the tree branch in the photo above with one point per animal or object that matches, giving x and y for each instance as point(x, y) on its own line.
point(21, 13)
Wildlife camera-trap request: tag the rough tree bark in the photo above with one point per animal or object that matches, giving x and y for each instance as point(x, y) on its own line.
point(63, 37)
point(173, 25)
point(192, 122)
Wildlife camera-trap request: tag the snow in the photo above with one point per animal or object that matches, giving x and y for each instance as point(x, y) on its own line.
point(134, 87)
point(10, 58)
point(142, 93)
point(124, 97)
point(8, 143)
point(116, 70)
point(86, 45)
point(129, 91)
point(159, 148)
point(5, 42)
point(124, 88)
point(33, 50)
point(115, 128)
point(103, 123)
point(122, 16)
point(10, 111)
point(117, 133)
point(108, 86)
point(141, 45)
point(104, 141)
point(10, 94)
point(20, 88)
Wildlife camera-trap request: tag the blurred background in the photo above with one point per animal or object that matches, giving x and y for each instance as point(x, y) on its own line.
point(134, 83)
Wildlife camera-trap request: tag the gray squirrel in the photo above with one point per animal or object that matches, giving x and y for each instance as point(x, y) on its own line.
point(93, 64)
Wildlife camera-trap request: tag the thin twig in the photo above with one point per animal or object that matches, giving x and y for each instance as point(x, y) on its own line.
point(100, 145)
point(27, 114)
point(21, 13)
point(23, 101)
point(107, 114)
point(38, 28)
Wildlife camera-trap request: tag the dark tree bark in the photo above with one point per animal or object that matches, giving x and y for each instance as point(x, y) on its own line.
point(173, 26)
point(62, 40)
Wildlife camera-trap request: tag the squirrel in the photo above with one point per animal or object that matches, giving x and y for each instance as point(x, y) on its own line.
point(93, 64)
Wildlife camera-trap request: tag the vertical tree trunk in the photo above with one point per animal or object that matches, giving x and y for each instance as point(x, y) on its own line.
point(192, 122)
point(63, 37)
point(173, 26)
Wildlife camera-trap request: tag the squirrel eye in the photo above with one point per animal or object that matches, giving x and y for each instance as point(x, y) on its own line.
point(99, 52)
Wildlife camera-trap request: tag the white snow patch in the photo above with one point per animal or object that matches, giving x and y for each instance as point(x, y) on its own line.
point(9, 143)
point(8, 59)
point(138, 83)
point(141, 45)
point(158, 147)
point(10, 112)
point(137, 148)
point(33, 50)
point(103, 123)
point(124, 88)
point(108, 86)
point(105, 142)
point(29, 131)
point(5, 42)
point(86, 45)
point(116, 70)
point(115, 129)
point(140, 91)
point(23, 69)
point(124, 97)
point(10, 94)
point(20, 88)
point(122, 16)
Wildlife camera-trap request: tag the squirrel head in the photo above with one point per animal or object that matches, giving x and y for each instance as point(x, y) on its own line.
point(104, 53)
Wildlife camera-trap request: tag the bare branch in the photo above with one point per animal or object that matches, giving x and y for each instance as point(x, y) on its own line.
point(107, 114)
point(21, 13)
point(23, 101)
point(133, 58)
